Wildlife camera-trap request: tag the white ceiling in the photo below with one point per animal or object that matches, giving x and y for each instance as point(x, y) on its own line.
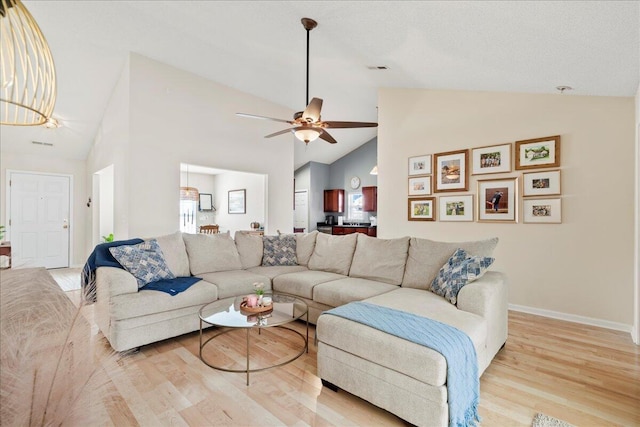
point(259, 48)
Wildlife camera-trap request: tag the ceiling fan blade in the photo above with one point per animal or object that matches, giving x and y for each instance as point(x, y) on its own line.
point(251, 116)
point(282, 132)
point(311, 114)
point(325, 135)
point(337, 125)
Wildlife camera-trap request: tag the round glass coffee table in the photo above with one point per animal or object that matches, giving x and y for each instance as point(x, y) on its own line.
point(227, 314)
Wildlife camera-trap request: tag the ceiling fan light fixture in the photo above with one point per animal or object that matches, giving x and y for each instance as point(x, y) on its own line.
point(28, 78)
point(307, 134)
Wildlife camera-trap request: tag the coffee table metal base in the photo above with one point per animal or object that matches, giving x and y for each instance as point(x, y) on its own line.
point(248, 370)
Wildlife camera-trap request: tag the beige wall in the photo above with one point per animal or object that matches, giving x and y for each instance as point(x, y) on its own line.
point(583, 267)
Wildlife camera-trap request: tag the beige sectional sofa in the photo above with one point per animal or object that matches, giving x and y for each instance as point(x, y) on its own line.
point(404, 378)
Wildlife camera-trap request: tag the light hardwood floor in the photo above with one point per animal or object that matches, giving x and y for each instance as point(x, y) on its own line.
point(585, 375)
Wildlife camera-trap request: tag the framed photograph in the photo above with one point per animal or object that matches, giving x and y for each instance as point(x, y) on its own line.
point(542, 211)
point(422, 209)
point(420, 186)
point(420, 165)
point(451, 171)
point(538, 153)
point(237, 201)
point(456, 208)
point(205, 202)
point(493, 159)
point(498, 200)
point(541, 183)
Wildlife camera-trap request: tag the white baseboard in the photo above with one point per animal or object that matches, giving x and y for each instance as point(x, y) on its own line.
point(573, 318)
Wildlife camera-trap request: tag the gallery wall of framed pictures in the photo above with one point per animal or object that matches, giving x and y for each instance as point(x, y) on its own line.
point(534, 186)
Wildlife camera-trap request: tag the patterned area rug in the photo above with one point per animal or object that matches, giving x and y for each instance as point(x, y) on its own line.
point(542, 420)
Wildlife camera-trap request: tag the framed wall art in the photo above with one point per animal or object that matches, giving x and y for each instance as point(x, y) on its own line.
point(205, 202)
point(420, 165)
point(237, 201)
point(545, 183)
point(455, 208)
point(492, 159)
point(422, 209)
point(498, 200)
point(420, 186)
point(542, 211)
point(538, 153)
point(451, 171)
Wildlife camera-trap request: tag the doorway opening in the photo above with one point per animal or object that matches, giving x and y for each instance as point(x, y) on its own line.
point(103, 205)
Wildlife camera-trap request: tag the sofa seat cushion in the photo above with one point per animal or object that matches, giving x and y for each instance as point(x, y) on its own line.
point(413, 360)
point(144, 303)
point(276, 270)
point(302, 283)
point(339, 292)
point(209, 253)
point(426, 257)
point(236, 282)
point(380, 259)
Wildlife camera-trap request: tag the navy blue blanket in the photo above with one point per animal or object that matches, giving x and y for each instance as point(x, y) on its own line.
point(101, 257)
point(171, 286)
point(463, 383)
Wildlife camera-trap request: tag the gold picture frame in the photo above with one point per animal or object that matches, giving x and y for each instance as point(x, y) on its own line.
point(538, 153)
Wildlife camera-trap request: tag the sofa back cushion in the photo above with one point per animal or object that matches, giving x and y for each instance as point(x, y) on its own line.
point(210, 253)
point(426, 257)
point(175, 253)
point(305, 244)
point(333, 253)
point(382, 260)
point(250, 249)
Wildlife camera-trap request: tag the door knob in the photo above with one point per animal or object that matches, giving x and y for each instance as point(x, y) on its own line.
point(65, 226)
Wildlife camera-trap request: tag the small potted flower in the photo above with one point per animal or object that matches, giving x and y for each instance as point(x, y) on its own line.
point(259, 289)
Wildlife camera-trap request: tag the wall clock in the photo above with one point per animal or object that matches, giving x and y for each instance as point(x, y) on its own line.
point(355, 182)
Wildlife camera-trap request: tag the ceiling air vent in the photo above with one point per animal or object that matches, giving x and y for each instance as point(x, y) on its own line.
point(46, 144)
point(377, 67)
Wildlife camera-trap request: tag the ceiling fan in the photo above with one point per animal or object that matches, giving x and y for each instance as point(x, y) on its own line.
point(307, 125)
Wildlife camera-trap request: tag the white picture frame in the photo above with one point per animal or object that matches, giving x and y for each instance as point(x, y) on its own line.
point(491, 159)
point(502, 209)
point(542, 211)
point(537, 184)
point(419, 186)
point(420, 165)
point(456, 208)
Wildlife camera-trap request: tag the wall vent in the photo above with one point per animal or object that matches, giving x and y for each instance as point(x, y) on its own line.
point(46, 144)
point(377, 67)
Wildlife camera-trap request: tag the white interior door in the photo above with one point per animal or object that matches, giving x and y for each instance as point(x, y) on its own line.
point(301, 212)
point(39, 220)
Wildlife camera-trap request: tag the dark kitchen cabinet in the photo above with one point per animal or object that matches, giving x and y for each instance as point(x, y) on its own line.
point(370, 196)
point(334, 200)
point(369, 231)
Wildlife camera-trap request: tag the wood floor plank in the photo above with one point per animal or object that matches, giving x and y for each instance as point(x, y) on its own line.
point(585, 375)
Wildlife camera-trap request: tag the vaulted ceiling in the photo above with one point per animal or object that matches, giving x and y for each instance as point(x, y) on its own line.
point(259, 48)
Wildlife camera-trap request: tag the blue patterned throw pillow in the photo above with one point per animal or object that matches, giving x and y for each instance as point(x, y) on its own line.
point(460, 270)
point(279, 250)
point(145, 261)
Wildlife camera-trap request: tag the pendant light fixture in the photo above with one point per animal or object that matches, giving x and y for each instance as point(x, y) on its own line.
point(28, 76)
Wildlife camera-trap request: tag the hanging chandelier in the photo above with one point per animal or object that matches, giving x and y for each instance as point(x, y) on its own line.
point(27, 76)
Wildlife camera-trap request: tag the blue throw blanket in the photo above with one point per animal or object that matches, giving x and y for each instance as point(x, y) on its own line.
point(463, 383)
point(101, 257)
